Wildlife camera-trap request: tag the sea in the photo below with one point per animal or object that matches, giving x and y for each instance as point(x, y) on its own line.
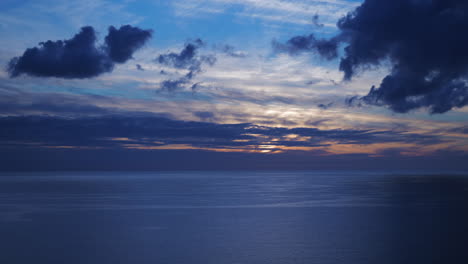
point(240, 217)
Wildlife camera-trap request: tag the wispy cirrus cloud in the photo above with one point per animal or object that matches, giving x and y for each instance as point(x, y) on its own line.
point(281, 11)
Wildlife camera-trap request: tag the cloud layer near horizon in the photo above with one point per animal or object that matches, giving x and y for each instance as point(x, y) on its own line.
point(147, 131)
point(146, 142)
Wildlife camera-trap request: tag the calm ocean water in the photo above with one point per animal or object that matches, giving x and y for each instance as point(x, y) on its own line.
point(233, 218)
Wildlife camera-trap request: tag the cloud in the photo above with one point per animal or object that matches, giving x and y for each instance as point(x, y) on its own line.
point(205, 116)
point(462, 130)
point(180, 83)
point(80, 57)
point(174, 85)
point(316, 123)
point(17, 102)
point(325, 106)
point(65, 107)
point(424, 41)
point(316, 22)
point(146, 130)
point(269, 11)
point(186, 59)
point(353, 101)
point(231, 51)
point(326, 48)
point(139, 67)
point(123, 42)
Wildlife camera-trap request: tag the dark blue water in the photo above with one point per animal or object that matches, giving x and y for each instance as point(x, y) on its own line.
point(233, 218)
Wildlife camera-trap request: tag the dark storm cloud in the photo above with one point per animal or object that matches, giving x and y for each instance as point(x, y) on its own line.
point(424, 40)
point(151, 130)
point(80, 57)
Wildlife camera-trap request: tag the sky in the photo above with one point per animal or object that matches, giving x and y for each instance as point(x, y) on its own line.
point(233, 84)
